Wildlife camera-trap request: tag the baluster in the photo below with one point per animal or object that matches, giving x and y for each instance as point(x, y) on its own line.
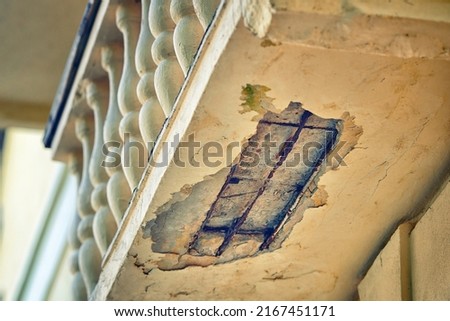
point(118, 191)
point(104, 225)
point(134, 153)
point(168, 75)
point(187, 34)
point(78, 288)
point(89, 255)
point(151, 116)
point(205, 10)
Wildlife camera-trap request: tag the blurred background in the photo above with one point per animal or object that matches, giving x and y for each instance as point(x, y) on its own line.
point(35, 193)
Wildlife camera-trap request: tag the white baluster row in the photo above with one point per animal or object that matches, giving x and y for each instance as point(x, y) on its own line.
point(151, 116)
point(168, 75)
point(133, 152)
point(118, 191)
point(104, 225)
point(78, 287)
point(129, 104)
point(89, 258)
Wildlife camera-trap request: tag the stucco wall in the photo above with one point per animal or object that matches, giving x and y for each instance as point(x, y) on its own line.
point(414, 264)
point(430, 251)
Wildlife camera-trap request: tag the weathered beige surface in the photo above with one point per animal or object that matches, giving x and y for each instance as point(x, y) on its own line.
point(437, 10)
point(389, 277)
point(430, 251)
point(414, 264)
point(359, 32)
point(311, 6)
point(390, 74)
point(383, 280)
point(402, 106)
point(205, 222)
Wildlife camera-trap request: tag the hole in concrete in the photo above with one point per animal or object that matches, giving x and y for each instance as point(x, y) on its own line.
point(245, 210)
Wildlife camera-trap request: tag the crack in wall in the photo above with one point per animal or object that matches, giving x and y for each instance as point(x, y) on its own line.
point(388, 163)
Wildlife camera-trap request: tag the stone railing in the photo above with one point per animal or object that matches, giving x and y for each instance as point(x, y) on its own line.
point(130, 73)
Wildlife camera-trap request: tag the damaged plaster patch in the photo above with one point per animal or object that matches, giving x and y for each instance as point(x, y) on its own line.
point(252, 206)
point(257, 16)
point(163, 229)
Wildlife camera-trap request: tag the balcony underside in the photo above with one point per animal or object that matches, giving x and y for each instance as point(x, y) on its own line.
point(396, 93)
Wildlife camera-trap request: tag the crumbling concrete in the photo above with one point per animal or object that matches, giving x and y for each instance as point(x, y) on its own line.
point(250, 207)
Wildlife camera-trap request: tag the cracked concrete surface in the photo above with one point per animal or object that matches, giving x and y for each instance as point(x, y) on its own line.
point(402, 104)
point(253, 206)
